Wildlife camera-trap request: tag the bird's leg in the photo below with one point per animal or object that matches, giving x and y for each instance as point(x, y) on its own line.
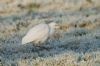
point(47, 46)
point(35, 46)
point(34, 49)
point(41, 46)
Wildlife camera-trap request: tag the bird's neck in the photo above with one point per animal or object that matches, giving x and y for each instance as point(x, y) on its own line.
point(51, 31)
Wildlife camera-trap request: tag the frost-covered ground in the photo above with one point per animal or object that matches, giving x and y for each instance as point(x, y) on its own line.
point(77, 42)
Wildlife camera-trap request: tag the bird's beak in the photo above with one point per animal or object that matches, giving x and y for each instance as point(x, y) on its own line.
point(58, 26)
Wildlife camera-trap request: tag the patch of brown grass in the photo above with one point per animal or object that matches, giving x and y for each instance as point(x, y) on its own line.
point(65, 26)
point(85, 24)
point(89, 25)
point(30, 6)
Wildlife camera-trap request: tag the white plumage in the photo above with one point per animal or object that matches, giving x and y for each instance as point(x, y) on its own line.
point(39, 33)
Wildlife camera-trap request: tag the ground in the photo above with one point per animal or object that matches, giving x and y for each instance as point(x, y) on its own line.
point(76, 43)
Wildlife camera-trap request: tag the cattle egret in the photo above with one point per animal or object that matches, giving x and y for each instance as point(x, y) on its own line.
point(40, 33)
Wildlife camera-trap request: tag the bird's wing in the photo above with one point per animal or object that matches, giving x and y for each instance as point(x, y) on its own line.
point(37, 32)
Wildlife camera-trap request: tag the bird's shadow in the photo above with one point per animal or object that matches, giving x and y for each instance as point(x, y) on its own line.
point(48, 49)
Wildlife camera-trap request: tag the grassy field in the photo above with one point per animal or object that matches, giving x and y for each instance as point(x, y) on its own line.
point(76, 43)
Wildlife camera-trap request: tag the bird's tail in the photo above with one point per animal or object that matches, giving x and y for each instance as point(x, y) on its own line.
point(24, 40)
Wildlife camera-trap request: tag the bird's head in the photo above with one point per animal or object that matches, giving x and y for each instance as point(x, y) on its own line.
point(54, 25)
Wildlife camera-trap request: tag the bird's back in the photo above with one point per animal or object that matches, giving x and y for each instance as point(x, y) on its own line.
point(37, 33)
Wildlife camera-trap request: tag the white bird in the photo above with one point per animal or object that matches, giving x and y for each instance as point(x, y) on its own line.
point(40, 33)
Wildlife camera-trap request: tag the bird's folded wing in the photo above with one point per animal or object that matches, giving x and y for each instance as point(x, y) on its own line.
point(37, 32)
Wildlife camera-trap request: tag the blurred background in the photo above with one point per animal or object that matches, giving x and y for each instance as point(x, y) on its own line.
point(76, 43)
